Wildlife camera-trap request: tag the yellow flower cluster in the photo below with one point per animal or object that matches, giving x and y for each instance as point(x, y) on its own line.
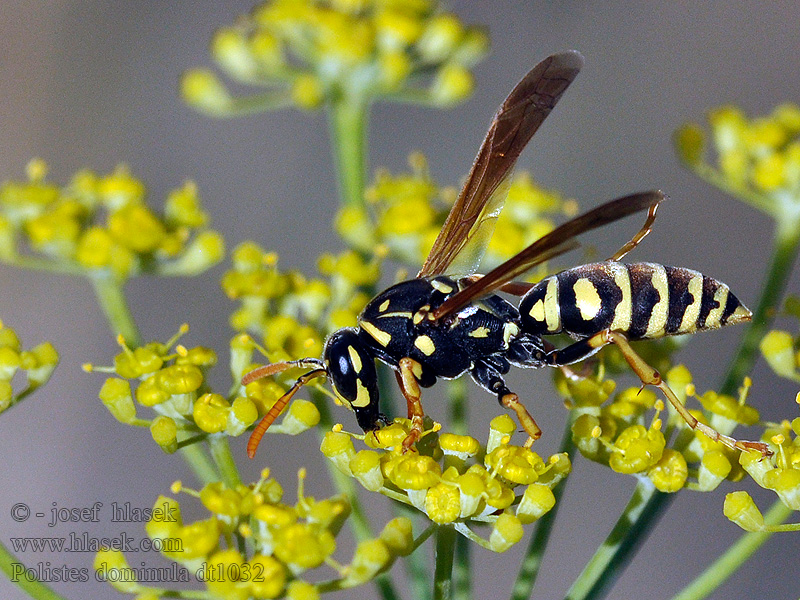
point(254, 545)
point(760, 155)
point(37, 363)
point(292, 313)
point(454, 479)
point(779, 473)
point(171, 379)
point(618, 433)
point(405, 212)
point(312, 52)
point(100, 225)
point(781, 349)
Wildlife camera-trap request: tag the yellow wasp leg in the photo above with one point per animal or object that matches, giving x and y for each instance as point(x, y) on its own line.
point(511, 402)
point(650, 376)
point(410, 388)
point(642, 233)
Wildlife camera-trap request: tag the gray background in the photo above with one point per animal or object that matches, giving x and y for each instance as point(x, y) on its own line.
point(91, 84)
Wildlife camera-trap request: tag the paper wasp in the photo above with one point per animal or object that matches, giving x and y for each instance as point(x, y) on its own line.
point(448, 321)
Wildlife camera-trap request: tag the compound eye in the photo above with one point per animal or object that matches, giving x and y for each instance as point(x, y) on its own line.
point(351, 369)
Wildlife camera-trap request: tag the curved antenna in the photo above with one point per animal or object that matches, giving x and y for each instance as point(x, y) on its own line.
point(280, 367)
point(272, 414)
point(280, 404)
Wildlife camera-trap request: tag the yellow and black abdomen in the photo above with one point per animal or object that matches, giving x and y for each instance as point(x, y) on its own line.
point(641, 300)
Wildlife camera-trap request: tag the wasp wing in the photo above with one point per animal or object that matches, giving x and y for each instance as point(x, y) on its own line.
point(546, 247)
point(460, 245)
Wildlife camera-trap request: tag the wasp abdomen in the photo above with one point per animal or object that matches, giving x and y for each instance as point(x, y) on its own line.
point(641, 300)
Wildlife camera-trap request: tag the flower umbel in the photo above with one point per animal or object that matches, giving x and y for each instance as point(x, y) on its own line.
point(404, 212)
point(171, 380)
point(37, 363)
point(100, 226)
point(253, 544)
point(315, 52)
point(453, 479)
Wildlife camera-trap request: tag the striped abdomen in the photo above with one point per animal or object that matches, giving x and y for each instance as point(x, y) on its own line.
point(642, 300)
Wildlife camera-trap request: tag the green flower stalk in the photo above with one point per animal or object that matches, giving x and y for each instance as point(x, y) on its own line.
point(38, 365)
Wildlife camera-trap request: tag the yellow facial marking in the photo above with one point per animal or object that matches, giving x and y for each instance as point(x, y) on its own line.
point(479, 332)
point(425, 345)
point(362, 395)
point(355, 359)
point(692, 311)
point(658, 316)
point(384, 305)
point(381, 337)
point(622, 314)
point(441, 286)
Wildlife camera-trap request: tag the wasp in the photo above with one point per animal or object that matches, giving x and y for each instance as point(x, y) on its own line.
point(448, 321)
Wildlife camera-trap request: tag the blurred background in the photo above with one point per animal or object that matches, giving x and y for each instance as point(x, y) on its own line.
point(93, 84)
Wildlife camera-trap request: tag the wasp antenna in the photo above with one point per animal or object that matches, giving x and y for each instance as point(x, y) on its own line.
point(280, 367)
point(280, 404)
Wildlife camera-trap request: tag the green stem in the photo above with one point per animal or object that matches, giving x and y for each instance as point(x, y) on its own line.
point(112, 300)
point(35, 589)
point(221, 452)
point(416, 563)
point(532, 561)
point(733, 558)
point(111, 297)
point(348, 122)
point(457, 394)
point(784, 255)
point(344, 484)
point(200, 464)
point(358, 520)
point(462, 570)
point(445, 550)
point(620, 546)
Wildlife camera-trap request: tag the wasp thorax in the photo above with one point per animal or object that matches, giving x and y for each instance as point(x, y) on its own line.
point(351, 370)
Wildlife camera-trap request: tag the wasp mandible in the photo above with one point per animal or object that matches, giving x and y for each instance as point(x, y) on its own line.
point(448, 321)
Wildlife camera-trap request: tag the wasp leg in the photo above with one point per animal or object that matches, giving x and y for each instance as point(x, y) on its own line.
point(636, 240)
point(649, 376)
point(410, 388)
point(488, 374)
